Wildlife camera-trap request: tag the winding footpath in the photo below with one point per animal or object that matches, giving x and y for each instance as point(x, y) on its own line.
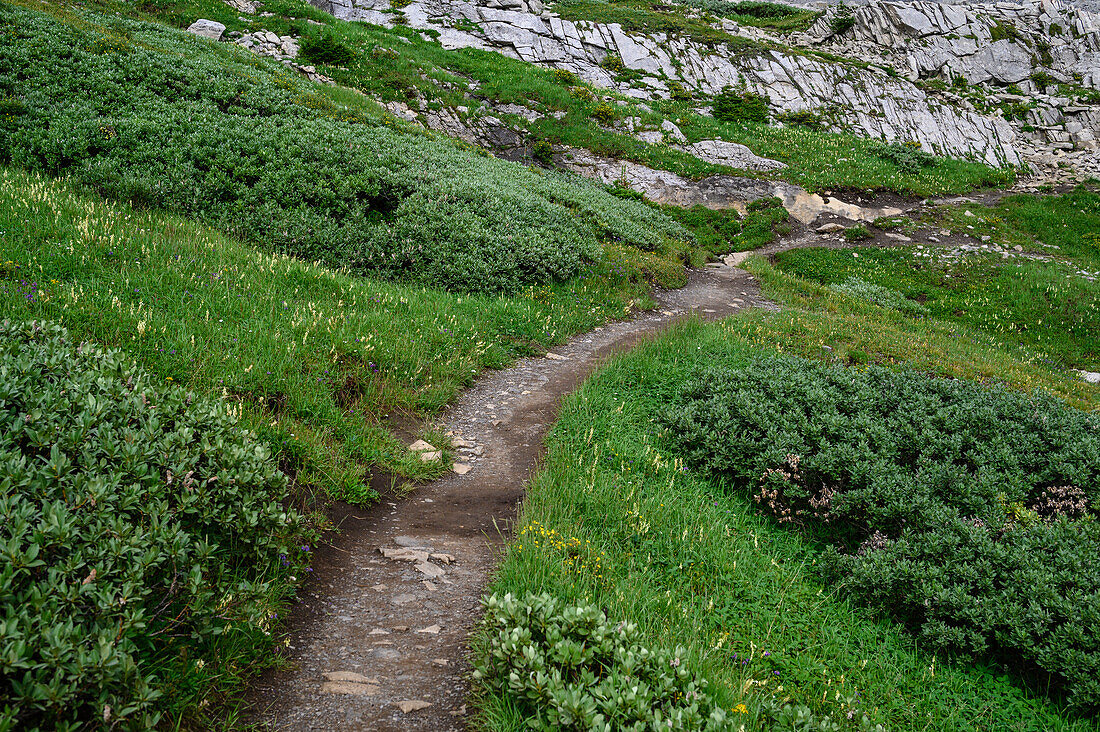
point(379, 641)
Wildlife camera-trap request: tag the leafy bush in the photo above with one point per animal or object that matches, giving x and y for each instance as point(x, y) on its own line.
point(1004, 30)
point(604, 113)
point(964, 511)
point(859, 232)
point(677, 92)
point(614, 64)
point(325, 48)
point(842, 22)
point(210, 131)
point(733, 106)
point(908, 156)
point(803, 118)
point(1042, 79)
point(715, 230)
point(569, 668)
point(543, 151)
point(881, 296)
point(583, 93)
point(755, 9)
point(141, 525)
point(564, 76)
point(765, 218)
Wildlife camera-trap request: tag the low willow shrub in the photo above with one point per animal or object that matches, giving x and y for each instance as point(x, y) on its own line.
point(141, 525)
point(731, 105)
point(570, 668)
point(165, 120)
point(967, 512)
point(325, 48)
point(907, 156)
point(881, 296)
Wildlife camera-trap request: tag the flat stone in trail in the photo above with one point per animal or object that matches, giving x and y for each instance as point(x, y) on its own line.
point(461, 468)
point(350, 689)
point(349, 676)
point(412, 706)
point(404, 555)
point(350, 683)
point(429, 570)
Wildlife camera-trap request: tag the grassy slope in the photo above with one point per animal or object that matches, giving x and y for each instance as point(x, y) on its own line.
point(699, 569)
point(321, 358)
point(409, 67)
point(1043, 307)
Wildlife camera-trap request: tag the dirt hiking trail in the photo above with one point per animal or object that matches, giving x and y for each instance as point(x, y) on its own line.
point(379, 640)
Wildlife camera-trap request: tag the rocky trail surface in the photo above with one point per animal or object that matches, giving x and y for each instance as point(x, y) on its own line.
point(379, 641)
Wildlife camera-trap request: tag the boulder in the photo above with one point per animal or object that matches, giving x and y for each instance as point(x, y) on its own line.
point(211, 29)
point(720, 152)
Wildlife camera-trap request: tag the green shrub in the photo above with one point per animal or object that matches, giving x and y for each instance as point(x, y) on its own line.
point(715, 230)
point(582, 93)
point(326, 48)
point(253, 149)
point(859, 232)
point(564, 76)
point(732, 106)
point(677, 92)
point(1042, 79)
point(764, 219)
point(570, 668)
point(604, 113)
point(614, 64)
point(842, 22)
point(543, 151)
point(964, 511)
point(802, 118)
point(379, 53)
point(881, 296)
point(141, 527)
point(908, 156)
point(1004, 30)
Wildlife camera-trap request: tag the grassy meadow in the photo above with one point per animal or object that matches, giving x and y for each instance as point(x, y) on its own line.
point(1044, 300)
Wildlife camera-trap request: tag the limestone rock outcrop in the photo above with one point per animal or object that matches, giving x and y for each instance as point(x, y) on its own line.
point(865, 100)
point(1036, 62)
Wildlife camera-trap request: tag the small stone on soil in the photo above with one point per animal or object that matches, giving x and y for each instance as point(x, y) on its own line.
point(430, 630)
point(345, 687)
point(461, 468)
point(349, 676)
point(430, 570)
point(412, 705)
